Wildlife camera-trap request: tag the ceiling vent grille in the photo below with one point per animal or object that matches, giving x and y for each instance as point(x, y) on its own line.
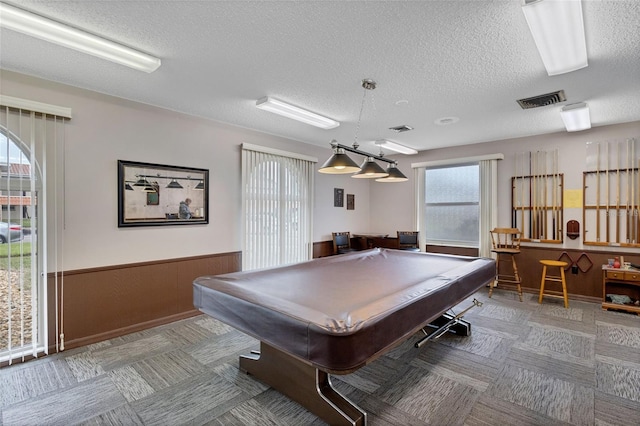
point(400, 129)
point(543, 100)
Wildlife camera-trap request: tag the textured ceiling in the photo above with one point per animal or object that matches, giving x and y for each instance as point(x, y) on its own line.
point(465, 59)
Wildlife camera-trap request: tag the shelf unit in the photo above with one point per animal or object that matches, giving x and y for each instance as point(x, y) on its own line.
point(623, 282)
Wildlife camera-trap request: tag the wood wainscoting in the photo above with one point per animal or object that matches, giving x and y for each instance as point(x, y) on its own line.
point(584, 285)
point(106, 302)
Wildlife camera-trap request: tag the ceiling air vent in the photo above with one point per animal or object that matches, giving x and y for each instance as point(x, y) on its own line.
point(543, 100)
point(400, 129)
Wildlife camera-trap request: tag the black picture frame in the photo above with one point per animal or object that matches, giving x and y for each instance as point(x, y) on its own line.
point(157, 202)
point(351, 202)
point(338, 197)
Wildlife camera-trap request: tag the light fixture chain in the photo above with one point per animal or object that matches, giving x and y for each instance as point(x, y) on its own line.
point(355, 139)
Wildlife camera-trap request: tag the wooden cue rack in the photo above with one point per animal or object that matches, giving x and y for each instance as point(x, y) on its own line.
point(537, 207)
point(611, 206)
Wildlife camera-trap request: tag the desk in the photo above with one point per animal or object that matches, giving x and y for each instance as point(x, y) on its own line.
point(336, 314)
point(371, 240)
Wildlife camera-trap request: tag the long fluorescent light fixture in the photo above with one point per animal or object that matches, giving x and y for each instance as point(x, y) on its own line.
point(295, 113)
point(37, 26)
point(576, 117)
point(558, 31)
point(393, 146)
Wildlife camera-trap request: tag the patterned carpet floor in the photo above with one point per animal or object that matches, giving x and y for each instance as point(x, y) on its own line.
point(524, 364)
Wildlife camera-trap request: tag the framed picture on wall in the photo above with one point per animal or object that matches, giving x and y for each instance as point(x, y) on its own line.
point(351, 201)
point(157, 194)
point(338, 197)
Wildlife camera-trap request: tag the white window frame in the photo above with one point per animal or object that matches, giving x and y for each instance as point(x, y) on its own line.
point(488, 195)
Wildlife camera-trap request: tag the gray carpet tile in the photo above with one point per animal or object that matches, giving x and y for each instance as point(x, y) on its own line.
point(573, 344)
point(205, 395)
point(612, 410)
point(218, 348)
point(126, 353)
point(524, 363)
point(84, 366)
point(120, 416)
point(490, 410)
point(538, 392)
point(72, 405)
point(474, 366)
point(130, 383)
point(419, 393)
point(232, 374)
point(21, 384)
point(618, 378)
point(574, 370)
point(168, 369)
point(619, 334)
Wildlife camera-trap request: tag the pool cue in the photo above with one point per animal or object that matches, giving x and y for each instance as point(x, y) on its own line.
point(514, 197)
point(533, 195)
point(556, 199)
point(618, 193)
point(598, 192)
point(522, 194)
point(530, 199)
point(626, 210)
point(607, 205)
point(545, 204)
point(553, 195)
point(536, 224)
point(633, 193)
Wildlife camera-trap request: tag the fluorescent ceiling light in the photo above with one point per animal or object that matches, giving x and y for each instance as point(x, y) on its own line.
point(393, 146)
point(576, 117)
point(295, 113)
point(37, 26)
point(558, 31)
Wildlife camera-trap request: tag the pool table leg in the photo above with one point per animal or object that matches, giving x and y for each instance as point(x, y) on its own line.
point(304, 384)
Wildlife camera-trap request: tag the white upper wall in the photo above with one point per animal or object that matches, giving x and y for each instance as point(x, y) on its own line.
point(105, 129)
point(392, 207)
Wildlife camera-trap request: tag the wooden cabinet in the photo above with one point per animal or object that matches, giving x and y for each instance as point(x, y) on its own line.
point(620, 282)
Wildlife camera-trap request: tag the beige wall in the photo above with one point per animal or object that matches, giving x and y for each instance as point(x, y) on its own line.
point(105, 129)
point(391, 207)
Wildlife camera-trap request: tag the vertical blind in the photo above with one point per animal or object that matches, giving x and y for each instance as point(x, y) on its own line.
point(277, 207)
point(31, 152)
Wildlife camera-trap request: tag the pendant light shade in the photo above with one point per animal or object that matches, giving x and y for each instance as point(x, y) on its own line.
point(142, 182)
point(128, 187)
point(200, 185)
point(339, 163)
point(370, 169)
point(174, 184)
point(395, 175)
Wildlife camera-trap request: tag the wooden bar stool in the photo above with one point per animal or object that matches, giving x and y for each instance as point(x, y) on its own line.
point(505, 243)
point(560, 279)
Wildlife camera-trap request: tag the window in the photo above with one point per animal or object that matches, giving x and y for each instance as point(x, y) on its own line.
point(452, 205)
point(31, 143)
point(277, 204)
point(456, 201)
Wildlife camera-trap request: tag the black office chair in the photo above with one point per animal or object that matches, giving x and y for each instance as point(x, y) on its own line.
point(408, 240)
point(342, 243)
point(171, 216)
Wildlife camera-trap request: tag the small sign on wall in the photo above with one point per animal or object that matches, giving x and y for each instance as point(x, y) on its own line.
point(351, 202)
point(338, 197)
